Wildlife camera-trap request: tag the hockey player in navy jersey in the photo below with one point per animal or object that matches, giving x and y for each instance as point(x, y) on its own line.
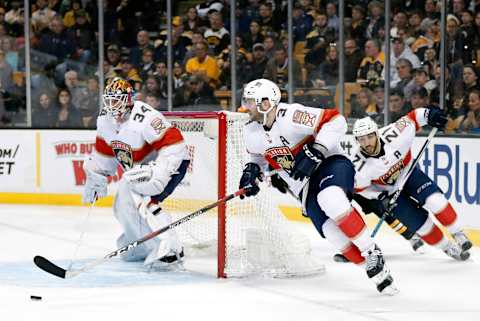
point(302, 145)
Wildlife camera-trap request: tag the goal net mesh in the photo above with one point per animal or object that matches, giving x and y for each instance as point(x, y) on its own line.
point(258, 237)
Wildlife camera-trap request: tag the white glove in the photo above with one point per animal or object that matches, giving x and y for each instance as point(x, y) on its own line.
point(149, 179)
point(95, 186)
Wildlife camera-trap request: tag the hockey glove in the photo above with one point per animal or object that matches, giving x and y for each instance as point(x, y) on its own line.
point(279, 183)
point(95, 186)
point(436, 117)
point(249, 179)
point(385, 203)
point(306, 162)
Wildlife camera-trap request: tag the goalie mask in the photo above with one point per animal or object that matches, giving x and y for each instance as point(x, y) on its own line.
point(256, 93)
point(365, 131)
point(118, 97)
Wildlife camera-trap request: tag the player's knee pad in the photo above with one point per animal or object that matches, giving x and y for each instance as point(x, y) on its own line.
point(334, 202)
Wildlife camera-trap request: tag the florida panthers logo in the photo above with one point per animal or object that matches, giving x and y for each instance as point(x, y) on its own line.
point(280, 157)
point(123, 153)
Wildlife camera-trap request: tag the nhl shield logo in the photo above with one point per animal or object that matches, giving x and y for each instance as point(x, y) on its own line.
point(123, 153)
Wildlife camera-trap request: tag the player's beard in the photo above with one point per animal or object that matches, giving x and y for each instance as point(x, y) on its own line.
point(372, 150)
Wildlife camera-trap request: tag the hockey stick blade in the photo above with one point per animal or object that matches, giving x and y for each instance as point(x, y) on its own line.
point(53, 269)
point(49, 267)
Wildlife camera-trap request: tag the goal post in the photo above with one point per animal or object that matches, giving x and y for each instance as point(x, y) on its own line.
point(247, 236)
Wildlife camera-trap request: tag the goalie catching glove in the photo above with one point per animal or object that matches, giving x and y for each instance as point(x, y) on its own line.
point(249, 178)
point(307, 161)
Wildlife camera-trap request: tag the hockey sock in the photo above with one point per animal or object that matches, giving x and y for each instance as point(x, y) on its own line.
point(432, 235)
point(353, 226)
point(444, 212)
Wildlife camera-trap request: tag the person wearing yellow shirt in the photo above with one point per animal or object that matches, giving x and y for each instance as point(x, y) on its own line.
point(203, 65)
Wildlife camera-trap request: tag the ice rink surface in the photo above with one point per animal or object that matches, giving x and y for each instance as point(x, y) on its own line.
point(433, 286)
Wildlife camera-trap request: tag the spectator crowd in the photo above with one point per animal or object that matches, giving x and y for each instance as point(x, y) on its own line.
point(64, 56)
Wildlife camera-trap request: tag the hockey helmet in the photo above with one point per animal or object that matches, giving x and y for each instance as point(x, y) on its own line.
point(256, 91)
point(364, 126)
point(118, 97)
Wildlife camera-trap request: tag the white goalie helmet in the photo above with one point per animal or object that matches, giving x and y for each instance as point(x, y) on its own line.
point(256, 91)
point(364, 126)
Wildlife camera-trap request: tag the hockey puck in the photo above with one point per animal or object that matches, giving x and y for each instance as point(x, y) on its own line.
point(35, 298)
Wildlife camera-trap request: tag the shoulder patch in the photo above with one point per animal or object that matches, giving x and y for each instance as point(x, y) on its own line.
point(401, 124)
point(304, 118)
point(158, 125)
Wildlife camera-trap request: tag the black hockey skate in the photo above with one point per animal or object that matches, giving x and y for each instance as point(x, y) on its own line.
point(378, 271)
point(416, 242)
point(340, 258)
point(171, 258)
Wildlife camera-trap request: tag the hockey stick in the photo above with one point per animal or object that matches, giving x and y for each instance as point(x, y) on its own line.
point(396, 195)
point(82, 233)
point(56, 270)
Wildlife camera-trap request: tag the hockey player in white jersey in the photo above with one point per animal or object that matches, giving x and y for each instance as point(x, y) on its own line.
point(154, 157)
point(302, 144)
point(382, 160)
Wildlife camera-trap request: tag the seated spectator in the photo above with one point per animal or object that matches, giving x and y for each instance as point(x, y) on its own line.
point(83, 35)
point(253, 36)
point(57, 41)
point(197, 37)
point(260, 61)
point(406, 83)
point(181, 41)
point(147, 67)
point(471, 121)
point(179, 75)
point(470, 83)
point(154, 101)
point(376, 20)
point(358, 26)
point(326, 74)
point(269, 43)
point(397, 107)
point(192, 23)
point(130, 73)
point(78, 92)
point(364, 105)
point(333, 20)
point(143, 42)
point(269, 24)
point(69, 19)
point(318, 39)
point(195, 92)
point(89, 108)
point(415, 23)
point(422, 79)
point(243, 66)
point(14, 18)
point(114, 56)
point(203, 9)
point(353, 58)
point(301, 23)
point(277, 69)
point(44, 114)
point(42, 17)
point(155, 86)
point(400, 50)
point(204, 65)
point(68, 115)
point(371, 67)
point(419, 98)
point(379, 96)
point(217, 36)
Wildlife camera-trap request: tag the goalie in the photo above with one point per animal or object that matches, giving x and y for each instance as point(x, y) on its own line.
point(303, 145)
point(154, 157)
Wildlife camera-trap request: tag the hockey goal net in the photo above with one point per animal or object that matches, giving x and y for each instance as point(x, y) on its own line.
point(247, 236)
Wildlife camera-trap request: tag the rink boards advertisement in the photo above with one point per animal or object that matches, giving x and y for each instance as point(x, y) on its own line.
point(47, 167)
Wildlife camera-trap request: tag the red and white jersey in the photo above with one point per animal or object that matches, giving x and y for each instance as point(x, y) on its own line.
point(386, 171)
point(140, 139)
point(295, 125)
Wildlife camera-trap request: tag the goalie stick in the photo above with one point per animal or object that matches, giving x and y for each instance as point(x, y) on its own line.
point(396, 195)
point(49, 267)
